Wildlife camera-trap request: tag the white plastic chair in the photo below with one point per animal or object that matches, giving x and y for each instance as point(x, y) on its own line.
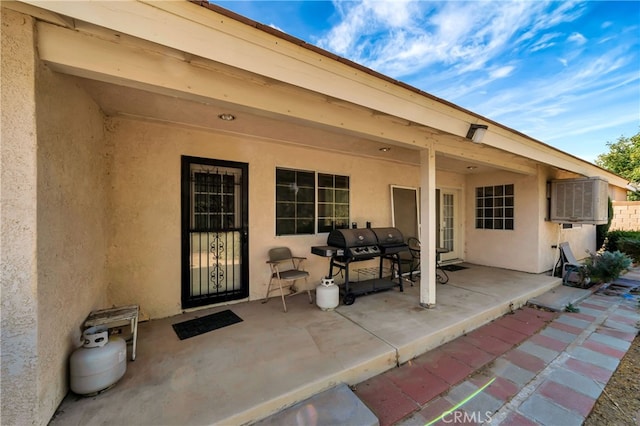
point(572, 270)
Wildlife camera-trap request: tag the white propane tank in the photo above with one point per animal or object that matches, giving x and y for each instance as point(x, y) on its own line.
point(99, 363)
point(327, 294)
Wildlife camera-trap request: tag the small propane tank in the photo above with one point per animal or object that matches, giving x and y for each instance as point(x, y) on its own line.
point(327, 294)
point(99, 363)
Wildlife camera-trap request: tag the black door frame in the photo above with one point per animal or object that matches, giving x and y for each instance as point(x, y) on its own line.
point(186, 299)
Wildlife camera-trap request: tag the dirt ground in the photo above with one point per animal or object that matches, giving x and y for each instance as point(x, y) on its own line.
point(619, 404)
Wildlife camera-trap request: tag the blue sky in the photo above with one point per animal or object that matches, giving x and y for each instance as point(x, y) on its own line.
point(566, 73)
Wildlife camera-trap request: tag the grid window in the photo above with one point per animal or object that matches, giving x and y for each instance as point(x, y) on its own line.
point(494, 207)
point(333, 202)
point(295, 202)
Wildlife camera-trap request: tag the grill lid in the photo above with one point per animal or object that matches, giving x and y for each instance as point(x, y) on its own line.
point(347, 238)
point(388, 237)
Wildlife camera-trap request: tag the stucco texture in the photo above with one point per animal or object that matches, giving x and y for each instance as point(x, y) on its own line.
point(72, 224)
point(528, 247)
point(144, 253)
point(19, 378)
point(511, 249)
point(54, 209)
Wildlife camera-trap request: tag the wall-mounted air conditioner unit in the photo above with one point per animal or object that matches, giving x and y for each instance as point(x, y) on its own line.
point(579, 201)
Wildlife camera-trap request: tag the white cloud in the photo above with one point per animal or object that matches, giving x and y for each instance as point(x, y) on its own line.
point(400, 37)
point(363, 20)
point(501, 72)
point(504, 60)
point(545, 42)
point(396, 13)
point(577, 38)
point(542, 46)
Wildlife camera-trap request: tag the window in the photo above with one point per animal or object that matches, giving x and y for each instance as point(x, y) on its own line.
point(296, 202)
point(494, 207)
point(333, 202)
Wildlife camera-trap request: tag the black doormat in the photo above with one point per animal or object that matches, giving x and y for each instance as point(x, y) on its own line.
point(452, 268)
point(202, 325)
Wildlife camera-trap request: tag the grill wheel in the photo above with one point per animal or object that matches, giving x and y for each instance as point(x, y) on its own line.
point(349, 298)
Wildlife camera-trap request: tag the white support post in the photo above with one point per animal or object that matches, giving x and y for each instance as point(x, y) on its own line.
point(428, 227)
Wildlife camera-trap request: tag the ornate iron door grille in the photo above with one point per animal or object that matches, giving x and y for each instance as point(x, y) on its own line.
point(214, 231)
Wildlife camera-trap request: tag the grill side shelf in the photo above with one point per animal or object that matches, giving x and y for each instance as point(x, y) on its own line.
point(327, 251)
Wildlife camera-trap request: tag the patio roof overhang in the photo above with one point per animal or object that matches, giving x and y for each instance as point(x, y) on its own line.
point(218, 60)
point(147, 81)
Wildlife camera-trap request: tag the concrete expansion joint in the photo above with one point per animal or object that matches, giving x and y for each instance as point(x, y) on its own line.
point(395, 349)
point(528, 390)
point(471, 290)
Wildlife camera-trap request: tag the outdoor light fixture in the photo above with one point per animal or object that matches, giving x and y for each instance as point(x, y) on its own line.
point(227, 117)
point(476, 132)
point(385, 149)
point(471, 167)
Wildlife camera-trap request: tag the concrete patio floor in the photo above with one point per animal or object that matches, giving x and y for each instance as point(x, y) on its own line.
point(247, 371)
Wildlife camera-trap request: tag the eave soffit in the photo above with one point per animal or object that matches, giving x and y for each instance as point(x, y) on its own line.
point(408, 104)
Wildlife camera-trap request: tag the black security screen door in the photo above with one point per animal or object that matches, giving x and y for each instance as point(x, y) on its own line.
point(214, 231)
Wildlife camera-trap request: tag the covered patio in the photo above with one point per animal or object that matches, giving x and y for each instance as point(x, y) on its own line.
point(113, 122)
point(247, 371)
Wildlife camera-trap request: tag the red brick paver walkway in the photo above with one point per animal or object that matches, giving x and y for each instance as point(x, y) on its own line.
point(548, 368)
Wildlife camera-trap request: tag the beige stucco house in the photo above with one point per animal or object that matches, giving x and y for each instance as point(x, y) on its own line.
point(140, 137)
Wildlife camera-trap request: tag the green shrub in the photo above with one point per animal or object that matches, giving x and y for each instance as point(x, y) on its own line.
point(630, 247)
point(614, 236)
point(602, 230)
point(607, 266)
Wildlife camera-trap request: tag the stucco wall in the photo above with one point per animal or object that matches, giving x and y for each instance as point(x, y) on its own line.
point(72, 233)
point(529, 247)
point(144, 255)
point(618, 194)
point(547, 232)
point(510, 249)
point(19, 378)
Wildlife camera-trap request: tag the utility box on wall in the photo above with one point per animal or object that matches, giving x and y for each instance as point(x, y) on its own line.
point(579, 201)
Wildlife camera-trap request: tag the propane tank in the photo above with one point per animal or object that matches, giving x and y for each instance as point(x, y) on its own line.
point(99, 363)
point(327, 294)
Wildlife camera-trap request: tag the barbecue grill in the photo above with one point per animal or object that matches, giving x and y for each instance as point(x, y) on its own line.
point(358, 244)
point(390, 241)
point(345, 246)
